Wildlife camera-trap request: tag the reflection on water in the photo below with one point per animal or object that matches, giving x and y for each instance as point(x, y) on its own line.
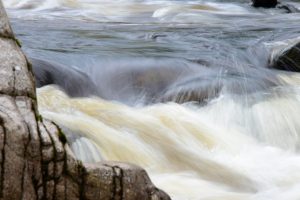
point(236, 135)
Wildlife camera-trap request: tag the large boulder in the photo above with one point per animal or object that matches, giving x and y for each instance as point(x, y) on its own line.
point(288, 59)
point(35, 160)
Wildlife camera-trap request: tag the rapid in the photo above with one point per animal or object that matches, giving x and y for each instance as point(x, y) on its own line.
point(182, 89)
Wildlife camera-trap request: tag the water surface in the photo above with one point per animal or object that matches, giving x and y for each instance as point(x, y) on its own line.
point(241, 141)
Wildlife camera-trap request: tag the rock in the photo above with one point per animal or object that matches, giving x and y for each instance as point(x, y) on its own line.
point(35, 160)
point(123, 180)
point(5, 29)
point(288, 59)
point(202, 88)
point(288, 8)
point(74, 82)
point(264, 3)
point(128, 82)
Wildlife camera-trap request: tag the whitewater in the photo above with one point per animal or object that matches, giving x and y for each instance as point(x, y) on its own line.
point(184, 91)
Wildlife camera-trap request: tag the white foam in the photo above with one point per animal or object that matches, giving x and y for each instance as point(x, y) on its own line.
point(226, 150)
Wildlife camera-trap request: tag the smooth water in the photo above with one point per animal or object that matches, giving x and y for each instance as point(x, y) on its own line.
point(239, 136)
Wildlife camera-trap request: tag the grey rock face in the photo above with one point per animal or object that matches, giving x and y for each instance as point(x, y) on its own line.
point(35, 161)
point(5, 29)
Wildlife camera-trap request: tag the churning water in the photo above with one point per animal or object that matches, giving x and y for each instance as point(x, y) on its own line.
point(182, 89)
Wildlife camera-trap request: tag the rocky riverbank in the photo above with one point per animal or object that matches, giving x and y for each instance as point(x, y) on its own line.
point(36, 162)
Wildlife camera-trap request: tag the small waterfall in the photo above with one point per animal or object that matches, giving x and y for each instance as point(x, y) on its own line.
point(227, 148)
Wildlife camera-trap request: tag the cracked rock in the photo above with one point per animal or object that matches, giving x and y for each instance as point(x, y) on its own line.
point(34, 162)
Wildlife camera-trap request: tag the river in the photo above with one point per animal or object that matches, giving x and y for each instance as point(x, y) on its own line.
point(184, 90)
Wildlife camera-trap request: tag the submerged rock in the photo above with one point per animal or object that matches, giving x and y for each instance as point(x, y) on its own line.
point(74, 82)
point(288, 60)
point(154, 82)
point(36, 161)
point(202, 88)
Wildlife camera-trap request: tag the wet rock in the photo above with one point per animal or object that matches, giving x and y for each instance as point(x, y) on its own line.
point(288, 60)
point(34, 162)
point(74, 82)
point(202, 88)
point(288, 8)
point(264, 3)
point(198, 89)
point(123, 180)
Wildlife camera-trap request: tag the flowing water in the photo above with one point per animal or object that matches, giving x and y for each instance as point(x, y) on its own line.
point(234, 133)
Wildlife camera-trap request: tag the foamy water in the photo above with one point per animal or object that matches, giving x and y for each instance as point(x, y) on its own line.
point(223, 151)
point(130, 11)
point(240, 143)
